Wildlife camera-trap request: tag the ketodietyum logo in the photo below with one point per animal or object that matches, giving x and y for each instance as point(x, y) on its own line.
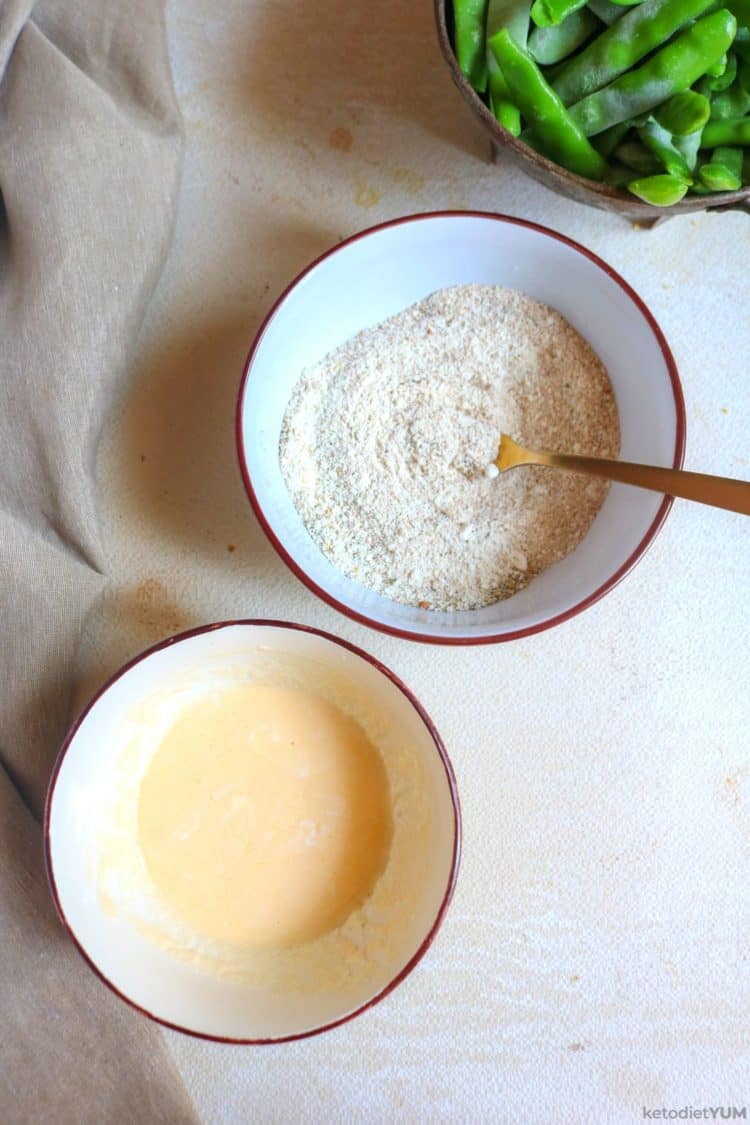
point(696, 1113)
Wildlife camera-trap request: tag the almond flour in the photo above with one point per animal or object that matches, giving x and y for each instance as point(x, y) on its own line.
point(387, 447)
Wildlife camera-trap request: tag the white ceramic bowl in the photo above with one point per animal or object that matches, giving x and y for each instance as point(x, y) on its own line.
point(182, 995)
point(381, 271)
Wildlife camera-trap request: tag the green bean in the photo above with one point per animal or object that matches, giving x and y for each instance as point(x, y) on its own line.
point(508, 115)
point(730, 132)
point(731, 158)
point(640, 31)
point(607, 142)
point(746, 167)
point(470, 17)
point(658, 141)
point(637, 158)
point(703, 87)
point(513, 14)
point(551, 71)
point(605, 10)
point(662, 191)
point(549, 13)
point(550, 45)
point(724, 80)
point(688, 147)
point(684, 113)
point(717, 69)
point(734, 102)
point(563, 141)
point(717, 177)
point(670, 70)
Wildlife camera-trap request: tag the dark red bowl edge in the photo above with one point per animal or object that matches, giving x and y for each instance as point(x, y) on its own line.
point(452, 788)
point(550, 622)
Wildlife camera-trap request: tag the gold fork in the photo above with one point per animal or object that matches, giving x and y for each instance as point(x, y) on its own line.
point(721, 492)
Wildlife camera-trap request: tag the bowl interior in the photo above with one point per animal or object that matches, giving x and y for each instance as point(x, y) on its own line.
point(374, 276)
point(182, 993)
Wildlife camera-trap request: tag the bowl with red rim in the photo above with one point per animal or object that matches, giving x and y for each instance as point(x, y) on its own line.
point(378, 273)
point(253, 995)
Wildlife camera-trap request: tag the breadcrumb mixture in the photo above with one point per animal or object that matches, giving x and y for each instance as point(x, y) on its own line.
point(387, 447)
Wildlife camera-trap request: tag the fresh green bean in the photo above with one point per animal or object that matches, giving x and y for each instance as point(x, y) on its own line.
point(551, 71)
point(703, 86)
point(513, 14)
point(507, 114)
point(717, 177)
point(658, 141)
point(634, 156)
point(470, 18)
point(688, 146)
point(640, 31)
point(731, 158)
point(549, 13)
point(724, 80)
point(730, 132)
point(684, 113)
point(607, 142)
point(717, 69)
point(563, 141)
point(670, 70)
point(662, 191)
point(734, 102)
point(550, 45)
point(605, 10)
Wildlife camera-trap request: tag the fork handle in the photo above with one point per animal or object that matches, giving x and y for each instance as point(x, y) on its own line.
point(721, 492)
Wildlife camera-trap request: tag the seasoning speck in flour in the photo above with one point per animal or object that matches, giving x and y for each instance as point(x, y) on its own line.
point(387, 447)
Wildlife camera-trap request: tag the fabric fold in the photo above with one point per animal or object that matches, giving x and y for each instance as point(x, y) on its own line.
point(90, 155)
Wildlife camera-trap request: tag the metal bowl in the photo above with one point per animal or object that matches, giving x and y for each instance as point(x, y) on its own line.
point(506, 146)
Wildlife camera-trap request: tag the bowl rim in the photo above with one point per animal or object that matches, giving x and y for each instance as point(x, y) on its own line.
point(514, 634)
point(452, 789)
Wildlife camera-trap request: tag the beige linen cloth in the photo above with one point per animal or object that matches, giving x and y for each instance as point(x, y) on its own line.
point(90, 149)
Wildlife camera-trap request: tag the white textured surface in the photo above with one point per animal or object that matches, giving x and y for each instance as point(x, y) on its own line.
point(595, 959)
